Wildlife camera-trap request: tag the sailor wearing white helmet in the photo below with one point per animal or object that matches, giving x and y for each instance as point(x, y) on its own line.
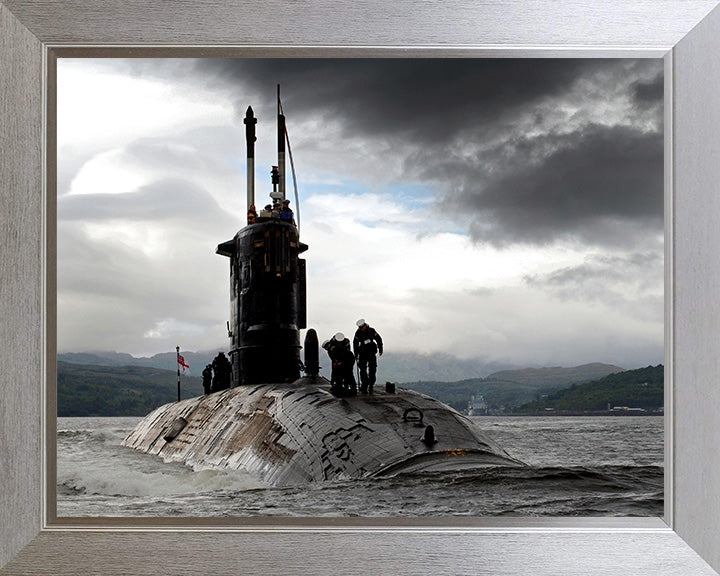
point(343, 360)
point(366, 344)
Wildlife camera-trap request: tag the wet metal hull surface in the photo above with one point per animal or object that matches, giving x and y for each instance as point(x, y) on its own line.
point(289, 434)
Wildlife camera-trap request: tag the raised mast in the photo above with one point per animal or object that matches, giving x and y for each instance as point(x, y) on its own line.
point(281, 145)
point(250, 138)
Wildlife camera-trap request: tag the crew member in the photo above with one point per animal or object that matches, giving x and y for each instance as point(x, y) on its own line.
point(207, 378)
point(334, 372)
point(342, 378)
point(286, 213)
point(222, 370)
point(252, 214)
point(366, 344)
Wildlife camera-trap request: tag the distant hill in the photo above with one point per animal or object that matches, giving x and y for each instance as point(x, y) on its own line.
point(412, 367)
point(392, 366)
point(164, 361)
point(555, 376)
point(117, 384)
point(510, 388)
point(641, 388)
point(89, 390)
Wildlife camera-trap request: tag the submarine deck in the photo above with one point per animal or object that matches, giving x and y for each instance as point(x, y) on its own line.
point(288, 434)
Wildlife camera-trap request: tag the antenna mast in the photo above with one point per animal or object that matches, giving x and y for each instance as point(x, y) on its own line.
point(250, 138)
point(281, 145)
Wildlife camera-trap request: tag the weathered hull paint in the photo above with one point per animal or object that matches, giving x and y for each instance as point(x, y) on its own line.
point(290, 434)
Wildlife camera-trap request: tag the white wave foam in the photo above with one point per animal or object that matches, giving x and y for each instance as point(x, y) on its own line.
point(113, 470)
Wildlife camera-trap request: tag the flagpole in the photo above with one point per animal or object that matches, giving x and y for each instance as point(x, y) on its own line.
point(177, 350)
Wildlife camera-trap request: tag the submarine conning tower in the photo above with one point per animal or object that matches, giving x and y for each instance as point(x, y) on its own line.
point(267, 281)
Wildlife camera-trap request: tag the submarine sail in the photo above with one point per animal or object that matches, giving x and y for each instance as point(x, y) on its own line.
point(285, 427)
point(267, 283)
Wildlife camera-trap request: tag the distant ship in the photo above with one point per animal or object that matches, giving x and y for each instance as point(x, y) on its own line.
point(279, 419)
point(476, 406)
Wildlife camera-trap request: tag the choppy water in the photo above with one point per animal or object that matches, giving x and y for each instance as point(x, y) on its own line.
point(578, 466)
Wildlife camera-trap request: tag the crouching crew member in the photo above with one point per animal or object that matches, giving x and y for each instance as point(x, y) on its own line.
point(366, 344)
point(342, 379)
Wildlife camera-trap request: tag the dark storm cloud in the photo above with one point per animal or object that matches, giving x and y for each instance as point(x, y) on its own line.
point(649, 93)
point(426, 98)
point(598, 175)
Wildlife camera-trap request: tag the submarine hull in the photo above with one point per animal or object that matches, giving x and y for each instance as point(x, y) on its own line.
point(291, 434)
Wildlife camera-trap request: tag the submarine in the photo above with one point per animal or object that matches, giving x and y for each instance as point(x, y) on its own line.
point(279, 419)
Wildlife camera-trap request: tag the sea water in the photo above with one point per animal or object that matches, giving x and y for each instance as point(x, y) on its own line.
point(577, 466)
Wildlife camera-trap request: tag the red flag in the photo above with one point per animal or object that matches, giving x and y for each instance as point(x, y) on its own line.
point(181, 362)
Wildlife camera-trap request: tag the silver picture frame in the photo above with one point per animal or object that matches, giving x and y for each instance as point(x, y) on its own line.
point(686, 33)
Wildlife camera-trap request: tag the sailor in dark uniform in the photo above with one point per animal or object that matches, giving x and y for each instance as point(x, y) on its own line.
point(334, 372)
point(207, 378)
point(286, 213)
point(222, 372)
point(366, 344)
point(343, 360)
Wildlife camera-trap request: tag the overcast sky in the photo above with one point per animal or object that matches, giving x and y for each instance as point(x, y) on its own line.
point(510, 210)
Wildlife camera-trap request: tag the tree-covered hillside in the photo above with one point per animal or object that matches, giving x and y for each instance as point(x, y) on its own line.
point(641, 388)
point(84, 390)
point(511, 388)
